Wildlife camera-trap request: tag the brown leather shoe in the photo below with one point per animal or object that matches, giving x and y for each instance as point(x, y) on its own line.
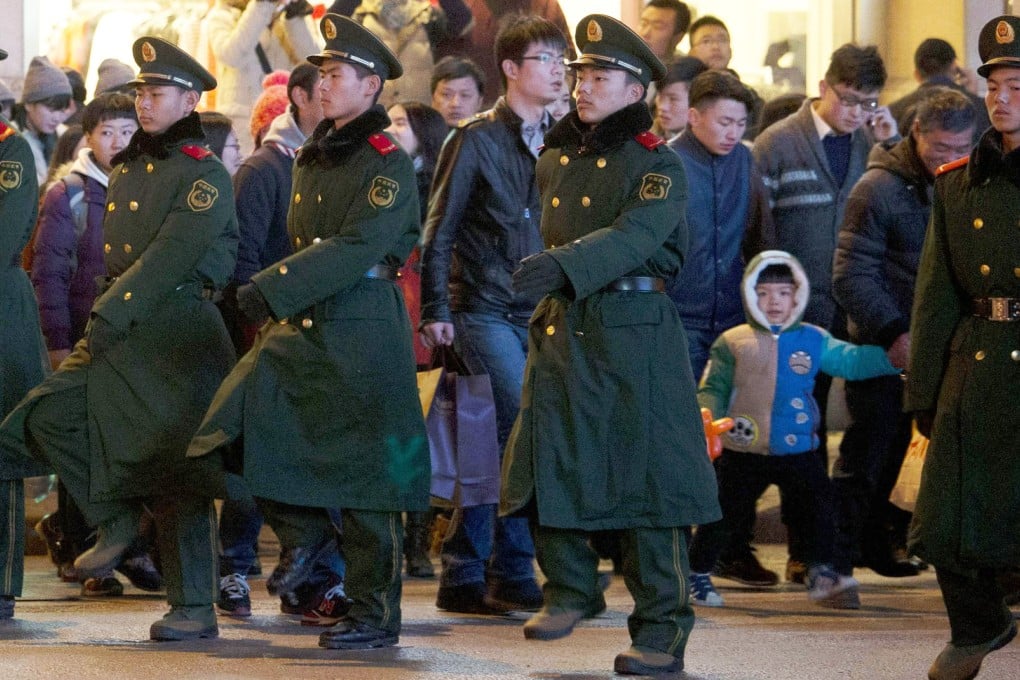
point(113, 538)
point(645, 661)
point(552, 623)
point(963, 663)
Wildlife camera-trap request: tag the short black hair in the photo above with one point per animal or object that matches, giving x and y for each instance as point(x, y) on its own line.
point(520, 31)
point(933, 57)
point(944, 108)
point(217, 128)
point(78, 92)
point(305, 76)
point(779, 108)
point(707, 20)
point(455, 68)
point(107, 106)
point(711, 86)
point(776, 272)
point(683, 70)
point(860, 68)
point(682, 16)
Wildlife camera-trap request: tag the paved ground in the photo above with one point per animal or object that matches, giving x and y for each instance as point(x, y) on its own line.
point(757, 636)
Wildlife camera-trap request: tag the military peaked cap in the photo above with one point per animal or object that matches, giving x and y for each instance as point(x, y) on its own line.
point(163, 63)
point(999, 44)
point(608, 43)
point(349, 41)
point(3, 55)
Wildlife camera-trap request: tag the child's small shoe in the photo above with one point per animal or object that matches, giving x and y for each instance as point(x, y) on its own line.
point(830, 589)
point(703, 592)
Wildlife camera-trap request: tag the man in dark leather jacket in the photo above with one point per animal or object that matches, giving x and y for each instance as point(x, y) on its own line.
point(483, 220)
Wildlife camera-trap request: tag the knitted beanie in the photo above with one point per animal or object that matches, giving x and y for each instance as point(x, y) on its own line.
point(271, 103)
point(112, 74)
point(44, 80)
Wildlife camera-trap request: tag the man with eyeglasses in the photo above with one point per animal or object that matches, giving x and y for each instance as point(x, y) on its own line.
point(809, 162)
point(873, 280)
point(483, 220)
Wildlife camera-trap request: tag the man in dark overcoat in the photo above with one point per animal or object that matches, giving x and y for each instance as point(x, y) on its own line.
point(609, 436)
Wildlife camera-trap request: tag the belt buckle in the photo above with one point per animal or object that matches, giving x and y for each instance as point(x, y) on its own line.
point(999, 309)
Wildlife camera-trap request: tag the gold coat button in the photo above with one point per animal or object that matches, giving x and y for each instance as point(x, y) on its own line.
point(127, 248)
point(123, 170)
point(297, 198)
point(107, 248)
point(579, 334)
point(297, 241)
point(980, 355)
point(1015, 355)
point(306, 323)
point(550, 330)
point(555, 202)
point(585, 201)
point(127, 295)
point(110, 207)
point(316, 240)
point(978, 223)
point(318, 198)
point(283, 269)
point(133, 206)
point(564, 160)
point(985, 270)
point(1016, 272)
point(283, 321)
point(601, 162)
point(149, 167)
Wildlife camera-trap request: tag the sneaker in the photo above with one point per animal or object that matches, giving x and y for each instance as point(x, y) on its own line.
point(234, 597)
point(67, 572)
point(102, 586)
point(703, 592)
point(54, 538)
point(796, 571)
point(6, 606)
point(747, 570)
point(142, 573)
point(830, 589)
point(331, 607)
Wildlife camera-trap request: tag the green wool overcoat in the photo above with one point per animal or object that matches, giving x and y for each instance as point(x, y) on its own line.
point(170, 234)
point(609, 434)
point(326, 399)
point(23, 362)
point(967, 368)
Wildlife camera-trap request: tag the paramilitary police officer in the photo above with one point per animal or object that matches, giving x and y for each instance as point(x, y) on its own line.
point(116, 417)
point(964, 369)
point(20, 366)
point(326, 399)
point(609, 435)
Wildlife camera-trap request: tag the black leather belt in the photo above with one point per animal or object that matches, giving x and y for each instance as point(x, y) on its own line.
point(996, 308)
point(638, 284)
point(382, 271)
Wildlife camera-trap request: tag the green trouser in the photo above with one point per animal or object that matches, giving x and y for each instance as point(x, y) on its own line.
point(655, 570)
point(12, 536)
point(57, 429)
point(372, 544)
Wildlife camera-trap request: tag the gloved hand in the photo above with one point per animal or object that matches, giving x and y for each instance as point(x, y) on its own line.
point(538, 274)
point(713, 432)
point(924, 421)
point(102, 336)
point(252, 304)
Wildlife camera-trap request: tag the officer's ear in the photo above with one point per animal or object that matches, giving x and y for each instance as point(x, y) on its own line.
point(191, 97)
point(373, 84)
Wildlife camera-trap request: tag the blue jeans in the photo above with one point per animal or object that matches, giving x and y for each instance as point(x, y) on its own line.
point(485, 547)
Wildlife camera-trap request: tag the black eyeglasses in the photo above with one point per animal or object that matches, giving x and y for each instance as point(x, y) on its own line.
point(850, 101)
point(546, 58)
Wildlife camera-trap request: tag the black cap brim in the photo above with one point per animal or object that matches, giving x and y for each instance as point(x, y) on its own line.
point(986, 68)
point(3, 55)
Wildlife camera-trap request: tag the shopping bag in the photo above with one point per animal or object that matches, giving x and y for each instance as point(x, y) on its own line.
point(461, 426)
point(904, 494)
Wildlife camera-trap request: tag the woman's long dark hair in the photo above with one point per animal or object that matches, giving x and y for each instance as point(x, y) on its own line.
point(430, 129)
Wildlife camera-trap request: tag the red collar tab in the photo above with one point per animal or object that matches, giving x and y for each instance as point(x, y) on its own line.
point(382, 144)
point(953, 165)
point(5, 131)
point(197, 152)
point(649, 140)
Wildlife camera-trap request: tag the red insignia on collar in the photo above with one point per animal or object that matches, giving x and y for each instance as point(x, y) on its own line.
point(952, 165)
point(649, 140)
point(196, 152)
point(5, 131)
point(382, 144)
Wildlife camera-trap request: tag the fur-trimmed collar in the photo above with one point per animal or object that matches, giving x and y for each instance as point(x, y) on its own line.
point(617, 128)
point(159, 146)
point(989, 158)
point(331, 147)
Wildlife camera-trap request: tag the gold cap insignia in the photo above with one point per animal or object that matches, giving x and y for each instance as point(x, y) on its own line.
point(594, 31)
point(148, 52)
point(1004, 33)
point(329, 29)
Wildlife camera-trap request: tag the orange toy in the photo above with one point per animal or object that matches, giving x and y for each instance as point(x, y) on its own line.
point(713, 430)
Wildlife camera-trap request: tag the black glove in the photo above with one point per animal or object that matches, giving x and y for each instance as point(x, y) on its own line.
point(298, 8)
point(252, 304)
point(102, 336)
point(924, 420)
point(538, 274)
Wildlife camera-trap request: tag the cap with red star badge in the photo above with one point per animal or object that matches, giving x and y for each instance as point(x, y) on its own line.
point(349, 41)
point(606, 42)
point(998, 44)
point(3, 55)
point(163, 63)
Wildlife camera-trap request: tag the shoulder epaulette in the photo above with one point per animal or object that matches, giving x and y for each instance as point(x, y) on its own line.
point(197, 152)
point(481, 115)
point(5, 131)
point(382, 144)
point(649, 140)
point(953, 165)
